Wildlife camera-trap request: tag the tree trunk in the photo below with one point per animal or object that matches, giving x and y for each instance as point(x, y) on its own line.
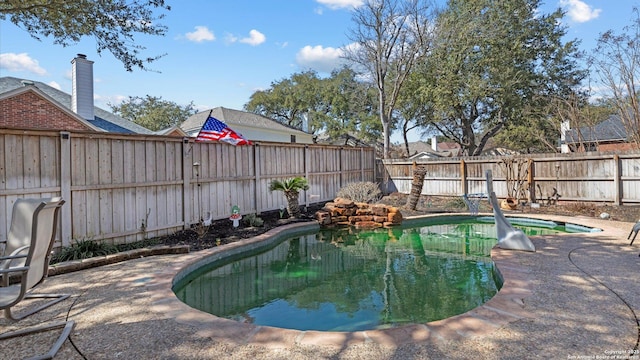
point(416, 186)
point(293, 206)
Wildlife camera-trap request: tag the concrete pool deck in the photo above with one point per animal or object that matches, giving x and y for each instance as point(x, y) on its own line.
point(576, 297)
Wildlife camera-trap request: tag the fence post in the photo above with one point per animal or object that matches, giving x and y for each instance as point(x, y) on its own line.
point(617, 197)
point(187, 168)
point(65, 188)
point(305, 156)
point(463, 177)
point(256, 172)
point(362, 164)
point(340, 168)
point(531, 180)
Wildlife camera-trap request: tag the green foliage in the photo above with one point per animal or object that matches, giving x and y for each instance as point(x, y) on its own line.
point(152, 112)
point(83, 249)
point(456, 203)
point(364, 191)
point(350, 107)
point(252, 220)
point(291, 188)
point(112, 23)
point(337, 105)
point(289, 101)
point(291, 185)
point(495, 65)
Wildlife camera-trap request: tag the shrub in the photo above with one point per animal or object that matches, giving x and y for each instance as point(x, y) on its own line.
point(456, 203)
point(83, 249)
point(291, 188)
point(252, 220)
point(363, 191)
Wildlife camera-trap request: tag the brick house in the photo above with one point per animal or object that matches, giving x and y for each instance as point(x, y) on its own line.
point(607, 135)
point(26, 104)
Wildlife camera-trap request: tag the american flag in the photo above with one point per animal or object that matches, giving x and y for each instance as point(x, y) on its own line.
point(215, 130)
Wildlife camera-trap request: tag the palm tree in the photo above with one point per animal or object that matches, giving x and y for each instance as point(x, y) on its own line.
point(291, 188)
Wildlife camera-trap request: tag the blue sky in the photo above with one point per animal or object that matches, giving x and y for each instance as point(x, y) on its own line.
point(220, 52)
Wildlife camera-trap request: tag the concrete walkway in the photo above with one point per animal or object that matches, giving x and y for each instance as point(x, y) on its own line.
point(576, 297)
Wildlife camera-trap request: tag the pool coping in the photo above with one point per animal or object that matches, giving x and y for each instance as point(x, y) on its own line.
point(507, 306)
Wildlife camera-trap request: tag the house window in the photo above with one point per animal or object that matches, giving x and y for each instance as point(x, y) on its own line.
point(293, 138)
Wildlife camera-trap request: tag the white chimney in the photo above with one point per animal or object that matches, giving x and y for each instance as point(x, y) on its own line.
point(434, 143)
point(82, 87)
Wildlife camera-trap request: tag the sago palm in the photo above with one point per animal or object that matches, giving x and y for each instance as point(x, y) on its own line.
point(291, 188)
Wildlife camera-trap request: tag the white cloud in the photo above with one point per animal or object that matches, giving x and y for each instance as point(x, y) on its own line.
point(21, 62)
point(320, 58)
point(201, 34)
point(579, 11)
point(341, 4)
point(230, 38)
point(255, 38)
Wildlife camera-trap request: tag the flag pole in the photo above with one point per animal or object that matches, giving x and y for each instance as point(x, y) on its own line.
point(205, 121)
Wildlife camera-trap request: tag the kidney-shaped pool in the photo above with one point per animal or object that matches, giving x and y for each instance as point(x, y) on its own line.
point(350, 280)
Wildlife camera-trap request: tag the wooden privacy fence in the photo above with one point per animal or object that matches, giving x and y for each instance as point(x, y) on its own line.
point(124, 188)
point(588, 177)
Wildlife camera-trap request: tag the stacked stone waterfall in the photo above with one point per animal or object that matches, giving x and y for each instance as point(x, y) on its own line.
point(344, 212)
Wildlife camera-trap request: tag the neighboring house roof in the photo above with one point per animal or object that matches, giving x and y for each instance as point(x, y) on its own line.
point(242, 122)
point(172, 131)
point(445, 149)
point(104, 120)
point(429, 154)
point(610, 130)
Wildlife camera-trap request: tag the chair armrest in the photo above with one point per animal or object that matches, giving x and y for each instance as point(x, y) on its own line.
point(11, 257)
point(17, 269)
point(19, 250)
point(5, 261)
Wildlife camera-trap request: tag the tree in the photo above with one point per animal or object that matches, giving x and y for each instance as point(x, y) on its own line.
point(152, 112)
point(291, 101)
point(338, 105)
point(112, 23)
point(616, 61)
point(390, 37)
point(350, 106)
point(412, 112)
point(494, 66)
point(291, 188)
point(562, 111)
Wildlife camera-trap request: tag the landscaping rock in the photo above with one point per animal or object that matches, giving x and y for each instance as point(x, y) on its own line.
point(360, 215)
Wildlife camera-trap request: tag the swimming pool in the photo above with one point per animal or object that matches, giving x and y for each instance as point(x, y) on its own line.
point(348, 280)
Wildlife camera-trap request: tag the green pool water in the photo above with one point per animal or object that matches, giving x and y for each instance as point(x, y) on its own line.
point(351, 280)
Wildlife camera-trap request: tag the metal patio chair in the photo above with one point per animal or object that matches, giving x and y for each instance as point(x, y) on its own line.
point(634, 231)
point(25, 264)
